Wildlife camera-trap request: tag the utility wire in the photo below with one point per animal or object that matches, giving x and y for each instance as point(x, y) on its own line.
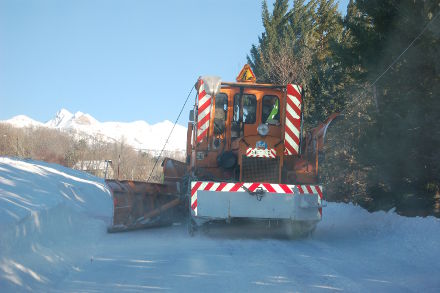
point(355, 100)
point(395, 60)
point(404, 51)
point(172, 129)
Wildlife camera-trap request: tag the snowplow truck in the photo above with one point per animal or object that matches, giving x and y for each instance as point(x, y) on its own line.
point(247, 157)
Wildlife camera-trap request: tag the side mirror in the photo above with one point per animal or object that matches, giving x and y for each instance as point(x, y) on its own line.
point(191, 116)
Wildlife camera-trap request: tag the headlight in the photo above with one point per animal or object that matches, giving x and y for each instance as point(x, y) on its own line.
point(263, 129)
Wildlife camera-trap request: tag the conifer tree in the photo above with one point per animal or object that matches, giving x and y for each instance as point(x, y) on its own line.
point(398, 145)
point(281, 55)
point(385, 152)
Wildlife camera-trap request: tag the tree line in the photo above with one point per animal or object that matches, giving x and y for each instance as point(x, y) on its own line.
point(379, 67)
point(81, 151)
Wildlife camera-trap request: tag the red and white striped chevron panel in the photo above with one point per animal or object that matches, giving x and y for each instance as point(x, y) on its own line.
point(204, 113)
point(237, 187)
point(293, 119)
point(261, 153)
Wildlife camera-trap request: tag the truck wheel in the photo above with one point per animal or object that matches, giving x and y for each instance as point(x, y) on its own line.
point(191, 227)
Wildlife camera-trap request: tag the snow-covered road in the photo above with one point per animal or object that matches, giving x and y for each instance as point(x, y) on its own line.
point(65, 248)
point(357, 252)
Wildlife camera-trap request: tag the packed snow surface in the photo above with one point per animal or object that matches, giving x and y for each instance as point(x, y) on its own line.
point(53, 239)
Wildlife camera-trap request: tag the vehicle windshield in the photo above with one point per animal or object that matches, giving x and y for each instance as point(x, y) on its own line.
point(270, 110)
point(249, 106)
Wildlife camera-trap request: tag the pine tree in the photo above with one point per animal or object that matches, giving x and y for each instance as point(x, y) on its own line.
point(385, 152)
point(325, 73)
point(280, 56)
point(398, 146)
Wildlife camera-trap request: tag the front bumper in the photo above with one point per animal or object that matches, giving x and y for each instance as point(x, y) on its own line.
point(221, 200)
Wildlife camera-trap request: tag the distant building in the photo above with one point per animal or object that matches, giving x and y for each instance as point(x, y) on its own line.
point(96, 168)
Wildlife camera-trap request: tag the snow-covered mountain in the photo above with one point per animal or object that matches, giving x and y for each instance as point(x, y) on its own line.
point(23, 121)
point(138, 134)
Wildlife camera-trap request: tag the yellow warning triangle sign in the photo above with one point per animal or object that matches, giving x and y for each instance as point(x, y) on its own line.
point(246, 74)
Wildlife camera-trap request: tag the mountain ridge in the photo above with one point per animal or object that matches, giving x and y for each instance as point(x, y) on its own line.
point(139, 134)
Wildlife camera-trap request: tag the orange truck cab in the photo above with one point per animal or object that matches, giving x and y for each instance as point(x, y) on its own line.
point(247, 155)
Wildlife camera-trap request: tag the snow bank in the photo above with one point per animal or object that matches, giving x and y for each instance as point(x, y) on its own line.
point(48, 213)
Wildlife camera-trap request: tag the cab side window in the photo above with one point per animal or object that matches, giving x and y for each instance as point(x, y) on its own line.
point(220, 113)
point(271, 110)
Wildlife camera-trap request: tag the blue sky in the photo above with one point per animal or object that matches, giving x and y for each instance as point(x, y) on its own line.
point(118, 60)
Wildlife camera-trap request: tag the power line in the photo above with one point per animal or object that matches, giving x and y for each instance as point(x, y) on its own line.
point(175, 122)
point(372, 84)
point(404, 51)
point(395, 61)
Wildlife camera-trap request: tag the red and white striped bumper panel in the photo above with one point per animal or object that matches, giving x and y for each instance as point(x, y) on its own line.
point(237, 187)
point(293, 119)
point(204, 112)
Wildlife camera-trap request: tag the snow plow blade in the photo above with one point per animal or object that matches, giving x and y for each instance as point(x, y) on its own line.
point(138, 205)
